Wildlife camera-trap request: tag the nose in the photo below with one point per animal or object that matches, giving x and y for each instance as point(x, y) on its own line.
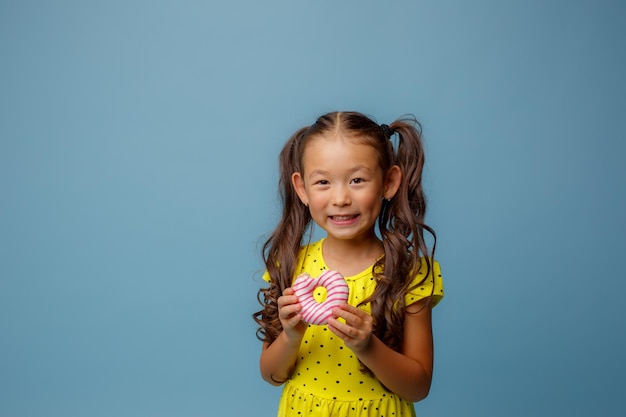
point(341, 196)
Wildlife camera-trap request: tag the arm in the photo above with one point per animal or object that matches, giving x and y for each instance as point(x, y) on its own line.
point(278, 358)
point(407, 373)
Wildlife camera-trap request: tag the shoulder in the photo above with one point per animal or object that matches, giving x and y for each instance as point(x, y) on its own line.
point(428, 282)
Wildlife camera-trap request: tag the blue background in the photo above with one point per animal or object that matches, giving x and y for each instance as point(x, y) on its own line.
point(138, 145)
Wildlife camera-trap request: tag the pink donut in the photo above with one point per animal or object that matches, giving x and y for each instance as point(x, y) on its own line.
point(336, 287)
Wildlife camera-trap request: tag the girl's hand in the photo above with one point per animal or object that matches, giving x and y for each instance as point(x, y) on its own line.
point(279, 357)
point(289, 313)
point(356, 332)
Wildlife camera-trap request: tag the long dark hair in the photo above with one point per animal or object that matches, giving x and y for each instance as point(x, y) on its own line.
point(400, 223)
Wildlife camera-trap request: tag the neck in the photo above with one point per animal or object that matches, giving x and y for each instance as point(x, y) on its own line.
point(350, 256)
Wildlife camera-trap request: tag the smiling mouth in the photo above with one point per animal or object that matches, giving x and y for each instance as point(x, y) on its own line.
point(344, 218)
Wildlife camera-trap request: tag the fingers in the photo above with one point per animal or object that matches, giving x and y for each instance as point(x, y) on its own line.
point(356, 328)
point(353, 316)
point(287, 301)
point(288, 308)
point(289, 314)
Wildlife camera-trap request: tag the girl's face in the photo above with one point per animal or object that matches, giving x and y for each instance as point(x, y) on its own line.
point(343, 185)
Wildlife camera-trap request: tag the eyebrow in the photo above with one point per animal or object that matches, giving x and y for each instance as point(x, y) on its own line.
point(351, 171)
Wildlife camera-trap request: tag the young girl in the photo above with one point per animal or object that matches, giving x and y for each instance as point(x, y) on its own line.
point(374, 357)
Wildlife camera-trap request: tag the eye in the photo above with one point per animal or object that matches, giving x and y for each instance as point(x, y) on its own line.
point(321, 182)
point(357, 180)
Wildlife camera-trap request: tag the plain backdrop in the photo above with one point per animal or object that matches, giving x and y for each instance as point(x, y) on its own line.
point(138, 148)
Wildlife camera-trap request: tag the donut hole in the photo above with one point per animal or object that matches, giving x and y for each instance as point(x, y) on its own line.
point(320, 294)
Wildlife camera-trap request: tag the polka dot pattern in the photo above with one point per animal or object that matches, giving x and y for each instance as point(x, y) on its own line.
point(327, 380)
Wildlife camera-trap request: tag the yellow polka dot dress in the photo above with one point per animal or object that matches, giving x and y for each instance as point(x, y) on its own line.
point(327, 380)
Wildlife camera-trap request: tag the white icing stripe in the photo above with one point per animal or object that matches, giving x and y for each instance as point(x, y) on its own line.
point(336, 294)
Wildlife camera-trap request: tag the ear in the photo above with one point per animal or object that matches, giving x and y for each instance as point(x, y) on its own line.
point(298, 185)
point(392, 181)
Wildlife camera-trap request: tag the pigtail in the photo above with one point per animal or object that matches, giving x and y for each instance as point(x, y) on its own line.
point(281, 249)
point(402, 228)
point(411, 199)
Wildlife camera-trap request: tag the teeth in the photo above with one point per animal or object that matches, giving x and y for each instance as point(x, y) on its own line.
point(343, 217)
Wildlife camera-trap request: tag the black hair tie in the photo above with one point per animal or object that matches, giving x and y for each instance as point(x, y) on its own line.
point(387, 131)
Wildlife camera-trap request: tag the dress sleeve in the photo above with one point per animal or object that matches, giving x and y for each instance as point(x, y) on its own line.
point(426, 288)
